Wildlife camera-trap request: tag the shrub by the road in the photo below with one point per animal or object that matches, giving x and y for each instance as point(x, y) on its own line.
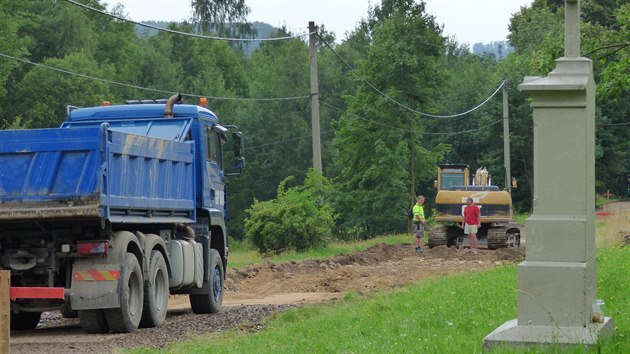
point(296, 220)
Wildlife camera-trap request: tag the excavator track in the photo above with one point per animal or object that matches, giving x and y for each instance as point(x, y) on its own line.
point(437, 236)
point(504, 237)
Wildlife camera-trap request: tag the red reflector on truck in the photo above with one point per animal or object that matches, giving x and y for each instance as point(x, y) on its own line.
point(36, 293)
point(97, 275)
point(99, 247)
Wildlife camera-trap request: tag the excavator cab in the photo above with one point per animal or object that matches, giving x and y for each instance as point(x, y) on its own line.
point(452, 175)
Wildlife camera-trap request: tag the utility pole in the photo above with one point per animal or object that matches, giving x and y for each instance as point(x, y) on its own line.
point(506, 139)
point(317, 148)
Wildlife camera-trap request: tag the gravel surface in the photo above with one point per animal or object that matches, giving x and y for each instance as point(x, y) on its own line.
point(56, 334)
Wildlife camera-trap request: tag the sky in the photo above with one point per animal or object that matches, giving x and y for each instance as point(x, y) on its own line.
point(470, 21)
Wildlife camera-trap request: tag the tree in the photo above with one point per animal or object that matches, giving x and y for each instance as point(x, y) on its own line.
point(51, 91)
point(225, 17)
point(377, 142)
point(10, 44)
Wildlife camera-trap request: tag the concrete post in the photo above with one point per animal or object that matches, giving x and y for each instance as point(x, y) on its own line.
point(506, 139)
point(317, 147)
point(558, 281)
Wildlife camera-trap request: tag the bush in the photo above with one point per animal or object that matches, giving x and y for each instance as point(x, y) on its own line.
point(296, 220)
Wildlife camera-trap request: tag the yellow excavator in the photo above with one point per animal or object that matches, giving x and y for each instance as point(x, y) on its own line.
point(498, 230)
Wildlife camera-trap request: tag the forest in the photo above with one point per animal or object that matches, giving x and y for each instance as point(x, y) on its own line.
point(390, 94)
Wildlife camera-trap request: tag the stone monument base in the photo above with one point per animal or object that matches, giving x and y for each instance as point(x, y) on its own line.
point(510, 334)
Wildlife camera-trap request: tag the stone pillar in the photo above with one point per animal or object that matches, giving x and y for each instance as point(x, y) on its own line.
point(558, 281)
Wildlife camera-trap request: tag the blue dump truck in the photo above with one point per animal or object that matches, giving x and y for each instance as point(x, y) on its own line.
point(106, 216)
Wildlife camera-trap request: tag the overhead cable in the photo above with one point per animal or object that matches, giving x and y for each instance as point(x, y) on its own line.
point(184, 33)
point(613, 124)
point(148, 88)
point(411, 131)
point(288, 140)
point(402, 105)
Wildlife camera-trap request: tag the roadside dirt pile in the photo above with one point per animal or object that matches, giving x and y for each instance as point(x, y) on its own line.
point(377, 268)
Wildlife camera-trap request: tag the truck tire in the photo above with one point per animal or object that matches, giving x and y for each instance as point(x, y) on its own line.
point(24, 321)
point(67, 311)
point(127, 317)
point(155, 292)
point(213, 300)
point(93, 321)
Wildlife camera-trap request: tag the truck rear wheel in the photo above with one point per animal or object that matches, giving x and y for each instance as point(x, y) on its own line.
point(213, 300)
point(24, 321)
point(126, 318)
point(155, 292)
point(93, 321)
point(67, 311)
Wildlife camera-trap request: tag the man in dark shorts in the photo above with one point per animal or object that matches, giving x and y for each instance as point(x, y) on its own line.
point(418, 222)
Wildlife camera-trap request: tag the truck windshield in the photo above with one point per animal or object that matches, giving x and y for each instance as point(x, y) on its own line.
point(171, 129)
point(452, 179)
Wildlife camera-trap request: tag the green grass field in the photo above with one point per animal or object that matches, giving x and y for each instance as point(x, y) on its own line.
point(242, 255)
point(443, 315)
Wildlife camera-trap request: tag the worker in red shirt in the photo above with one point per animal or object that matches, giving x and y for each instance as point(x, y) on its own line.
point(472, 223)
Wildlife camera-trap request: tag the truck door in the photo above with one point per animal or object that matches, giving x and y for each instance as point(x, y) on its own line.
point(214, 185)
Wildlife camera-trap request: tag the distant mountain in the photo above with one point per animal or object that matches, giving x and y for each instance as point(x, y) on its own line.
point(263, 30)
point(499, 49)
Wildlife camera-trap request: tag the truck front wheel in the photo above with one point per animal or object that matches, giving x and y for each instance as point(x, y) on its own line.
point(155, 292)
point(213, 300)
point(126, 318)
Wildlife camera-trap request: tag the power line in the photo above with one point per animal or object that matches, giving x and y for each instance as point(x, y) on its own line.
point(402, 105)
point(613, 124)
point(411, 131)
point(184, 33)
point(288, 140)
point(26, 61)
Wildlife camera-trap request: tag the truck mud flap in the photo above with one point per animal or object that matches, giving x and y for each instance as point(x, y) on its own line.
point(94, 286)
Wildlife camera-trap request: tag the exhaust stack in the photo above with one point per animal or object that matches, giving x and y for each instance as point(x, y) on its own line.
point(168, 109)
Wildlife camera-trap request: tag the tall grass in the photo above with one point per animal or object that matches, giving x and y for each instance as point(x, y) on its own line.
point(443, 315)
point(611, 228)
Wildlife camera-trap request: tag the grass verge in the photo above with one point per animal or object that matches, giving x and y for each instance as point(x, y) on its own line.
point(242, 255)
point(443, 315)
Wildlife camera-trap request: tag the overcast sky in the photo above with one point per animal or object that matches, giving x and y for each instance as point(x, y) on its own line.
point(470, 21)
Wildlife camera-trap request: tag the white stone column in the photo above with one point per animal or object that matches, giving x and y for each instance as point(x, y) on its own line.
point(558, 280)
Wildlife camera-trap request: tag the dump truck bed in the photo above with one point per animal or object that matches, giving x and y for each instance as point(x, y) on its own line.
point(95, 173)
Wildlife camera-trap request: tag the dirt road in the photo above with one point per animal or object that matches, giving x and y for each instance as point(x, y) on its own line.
point(256, 292)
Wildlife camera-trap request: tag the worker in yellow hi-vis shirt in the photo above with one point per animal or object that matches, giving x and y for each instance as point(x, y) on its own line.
point(418, 222)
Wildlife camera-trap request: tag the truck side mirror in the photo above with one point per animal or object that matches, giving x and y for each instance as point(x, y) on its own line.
point(239, 150)
point(239, 146)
